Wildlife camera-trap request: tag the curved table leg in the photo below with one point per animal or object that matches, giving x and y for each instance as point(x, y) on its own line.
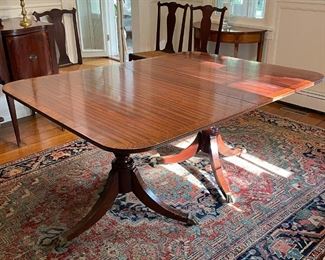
point(217, 169)
point(184, 155)
point(210, 142)
point(224, 149)
point(105, 202)
point(123, 178)
point(147, 197)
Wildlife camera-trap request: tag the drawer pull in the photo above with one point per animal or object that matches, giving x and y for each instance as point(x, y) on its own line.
point(33, 57)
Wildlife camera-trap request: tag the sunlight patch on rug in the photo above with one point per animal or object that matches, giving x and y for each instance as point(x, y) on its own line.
point(181, 171)
point(257, 166)
point(271, 168)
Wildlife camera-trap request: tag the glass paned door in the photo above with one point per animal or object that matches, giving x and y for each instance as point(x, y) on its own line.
point(105, 28)
point(91, 14)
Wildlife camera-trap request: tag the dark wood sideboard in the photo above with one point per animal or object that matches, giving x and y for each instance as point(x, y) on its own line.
point(28, 52)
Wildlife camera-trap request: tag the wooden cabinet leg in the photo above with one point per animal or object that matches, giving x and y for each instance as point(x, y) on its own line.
point(236, 48)
point(260, 48)
point(13, 115)
point(259, 51)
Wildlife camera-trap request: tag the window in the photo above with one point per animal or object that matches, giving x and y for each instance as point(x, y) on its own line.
point(246, 8)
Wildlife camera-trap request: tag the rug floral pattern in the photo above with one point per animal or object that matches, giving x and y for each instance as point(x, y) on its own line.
point(279, 209)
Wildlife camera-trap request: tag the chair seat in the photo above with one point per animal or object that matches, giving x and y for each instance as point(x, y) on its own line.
point(146, 54)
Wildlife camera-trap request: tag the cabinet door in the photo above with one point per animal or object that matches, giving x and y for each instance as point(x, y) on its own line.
point(4, 75)
point(29, 55)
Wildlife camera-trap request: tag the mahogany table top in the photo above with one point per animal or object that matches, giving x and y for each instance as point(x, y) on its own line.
point(140, 105)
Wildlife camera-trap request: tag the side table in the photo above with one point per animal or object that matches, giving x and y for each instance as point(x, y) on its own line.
point(236, 35)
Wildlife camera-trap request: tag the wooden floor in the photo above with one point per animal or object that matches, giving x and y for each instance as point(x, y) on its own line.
point(38, 133)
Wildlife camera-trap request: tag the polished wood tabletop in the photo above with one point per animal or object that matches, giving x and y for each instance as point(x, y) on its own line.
point(140, 105)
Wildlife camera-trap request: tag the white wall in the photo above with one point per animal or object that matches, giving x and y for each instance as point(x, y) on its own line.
point(143, 24)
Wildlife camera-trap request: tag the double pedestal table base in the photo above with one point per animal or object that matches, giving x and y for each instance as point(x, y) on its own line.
point(124, 177)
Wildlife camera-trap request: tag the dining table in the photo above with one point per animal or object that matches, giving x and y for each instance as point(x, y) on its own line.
point(138, 106)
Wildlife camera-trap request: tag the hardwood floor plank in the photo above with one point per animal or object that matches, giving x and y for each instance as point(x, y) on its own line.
point(37, 134)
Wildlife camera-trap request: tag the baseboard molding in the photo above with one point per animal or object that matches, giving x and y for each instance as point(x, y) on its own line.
point(300, 99)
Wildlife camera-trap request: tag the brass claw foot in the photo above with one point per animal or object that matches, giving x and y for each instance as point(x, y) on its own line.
point(60, 243)
point(229, 198)
point(243, 150)
point(154, 161)
point(226, 198)
point(191, 220)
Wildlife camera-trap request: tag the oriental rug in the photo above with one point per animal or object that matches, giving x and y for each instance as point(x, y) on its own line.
point(278, 213)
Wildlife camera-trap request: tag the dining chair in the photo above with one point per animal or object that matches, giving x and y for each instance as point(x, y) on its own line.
point(170, 23)
point(201, 43)
point(55, 16)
